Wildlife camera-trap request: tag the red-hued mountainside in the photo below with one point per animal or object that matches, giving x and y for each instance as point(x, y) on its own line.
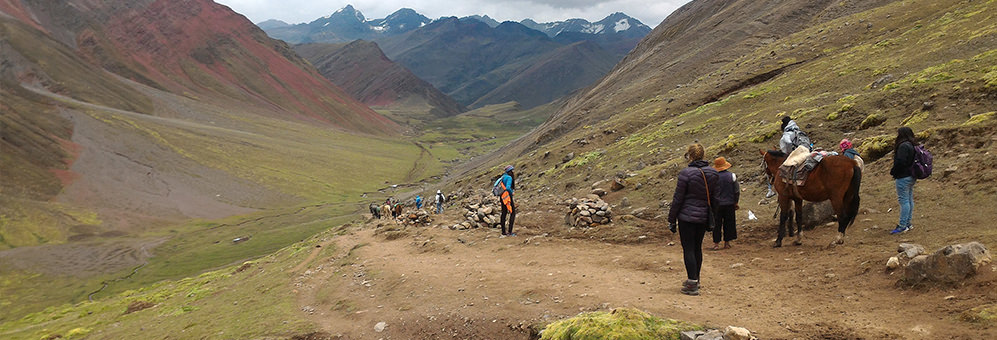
point(201, 47)
point(119, 116)
point(362, 70)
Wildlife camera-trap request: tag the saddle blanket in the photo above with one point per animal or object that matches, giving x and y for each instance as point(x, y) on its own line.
point(798, 165)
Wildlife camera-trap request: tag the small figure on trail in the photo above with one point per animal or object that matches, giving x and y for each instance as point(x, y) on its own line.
point(418, 202)
point(849, 151)
point(690, 210)
point(903, 159)
point(727, 196)
point(506, 185)
point(375, 210)
point(385, 210)
point(440, 198)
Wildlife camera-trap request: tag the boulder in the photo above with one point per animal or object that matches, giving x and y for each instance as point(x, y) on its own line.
point(736, 333)
point(599, 192)
point(639, 212)
point(815, 214)
point(714, 334)
point(625, 203)
point(893, 263)
point(618, 184)
point(568, 157)
point(690, 335)
point(910, 250)
point(948, 265)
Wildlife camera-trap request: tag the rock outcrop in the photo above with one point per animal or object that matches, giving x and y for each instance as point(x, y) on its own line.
point(950, 265)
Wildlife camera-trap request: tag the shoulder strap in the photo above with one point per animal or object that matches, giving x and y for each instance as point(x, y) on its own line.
point(707, 184)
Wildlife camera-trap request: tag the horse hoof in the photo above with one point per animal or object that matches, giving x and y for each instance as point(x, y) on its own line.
point(798, 243)
point(777, 245)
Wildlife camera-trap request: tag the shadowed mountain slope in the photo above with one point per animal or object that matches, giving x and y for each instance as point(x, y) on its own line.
point(362, 70)
point(552, 76)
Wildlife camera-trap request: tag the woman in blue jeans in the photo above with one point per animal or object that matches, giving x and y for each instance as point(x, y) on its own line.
point(903, 159)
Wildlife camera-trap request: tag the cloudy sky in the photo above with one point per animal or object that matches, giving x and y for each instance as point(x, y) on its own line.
point(650, 12)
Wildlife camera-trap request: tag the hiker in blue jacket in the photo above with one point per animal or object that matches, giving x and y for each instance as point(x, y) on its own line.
point(418, 202)
point(903, 158)
point(508, 186)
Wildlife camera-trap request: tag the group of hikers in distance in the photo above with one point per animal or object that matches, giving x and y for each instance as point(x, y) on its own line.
point(394, 208)
point(707, 194)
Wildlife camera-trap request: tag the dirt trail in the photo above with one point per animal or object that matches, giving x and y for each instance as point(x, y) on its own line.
point(433, 283)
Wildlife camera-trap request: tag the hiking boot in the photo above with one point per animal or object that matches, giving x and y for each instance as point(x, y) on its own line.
point(900, 230)
point(770, 193)
point(511, 234)
point(690, 287)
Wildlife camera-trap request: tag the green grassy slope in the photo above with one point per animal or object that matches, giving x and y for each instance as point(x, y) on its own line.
point(215, 304)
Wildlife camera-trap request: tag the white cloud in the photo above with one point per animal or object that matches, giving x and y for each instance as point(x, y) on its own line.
point(650, 12)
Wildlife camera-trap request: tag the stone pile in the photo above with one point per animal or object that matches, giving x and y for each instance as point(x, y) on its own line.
point(950, 265)
point(418, 217)
point(588, 212)
point(480, 211)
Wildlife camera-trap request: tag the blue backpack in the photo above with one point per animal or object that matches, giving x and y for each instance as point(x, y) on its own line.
point(921, 168)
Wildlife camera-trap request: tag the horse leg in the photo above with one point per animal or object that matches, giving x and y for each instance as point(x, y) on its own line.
point(785, 216)
point(799, 221)
point(844, 218)
point(790, 222)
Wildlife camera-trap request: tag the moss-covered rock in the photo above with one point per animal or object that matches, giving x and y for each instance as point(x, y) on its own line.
point(986, 314)
point(620, 323)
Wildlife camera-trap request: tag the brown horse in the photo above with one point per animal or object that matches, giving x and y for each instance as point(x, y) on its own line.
point(835, 178)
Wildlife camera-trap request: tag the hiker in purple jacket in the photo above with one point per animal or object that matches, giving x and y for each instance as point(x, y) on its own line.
point(690, 212)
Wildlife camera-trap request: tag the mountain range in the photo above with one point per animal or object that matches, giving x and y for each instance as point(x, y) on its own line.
point(348, 24)
point(476, 60)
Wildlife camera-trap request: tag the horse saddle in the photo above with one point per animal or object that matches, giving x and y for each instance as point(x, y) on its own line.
point(798, 165)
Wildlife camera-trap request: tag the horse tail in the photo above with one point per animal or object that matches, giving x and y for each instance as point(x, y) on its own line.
point(853, 194)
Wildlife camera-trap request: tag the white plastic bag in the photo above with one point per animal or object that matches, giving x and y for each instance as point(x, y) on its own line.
point(751, 216)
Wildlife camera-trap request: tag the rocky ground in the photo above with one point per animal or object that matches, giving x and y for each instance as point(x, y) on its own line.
point(394, 281)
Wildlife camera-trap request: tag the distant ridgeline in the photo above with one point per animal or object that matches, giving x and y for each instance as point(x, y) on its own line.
point(476, 60)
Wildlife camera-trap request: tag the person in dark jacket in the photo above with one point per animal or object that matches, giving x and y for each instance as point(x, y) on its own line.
point(689, 212)
point(728, 195)
point(903, 159)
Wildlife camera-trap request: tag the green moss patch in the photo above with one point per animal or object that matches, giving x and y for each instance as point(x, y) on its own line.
point(986, 314)
point(621, 323)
